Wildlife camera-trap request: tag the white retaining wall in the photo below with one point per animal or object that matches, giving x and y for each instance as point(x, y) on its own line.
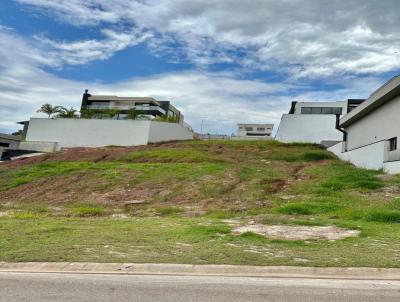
point(369, 157)
point(308, 128)
point(39, 146)
point(98, 133)
point(161, 132)
point(392, 167)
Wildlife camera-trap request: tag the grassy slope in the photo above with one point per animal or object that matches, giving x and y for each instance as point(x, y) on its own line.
point(77, 210)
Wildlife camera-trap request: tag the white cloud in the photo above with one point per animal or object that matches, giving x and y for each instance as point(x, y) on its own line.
point(307, 38)
point(82, 52)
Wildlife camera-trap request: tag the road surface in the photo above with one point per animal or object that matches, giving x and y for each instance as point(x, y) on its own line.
point(35, 287)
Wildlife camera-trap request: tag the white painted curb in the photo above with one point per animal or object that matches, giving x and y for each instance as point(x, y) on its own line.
point(361, 273)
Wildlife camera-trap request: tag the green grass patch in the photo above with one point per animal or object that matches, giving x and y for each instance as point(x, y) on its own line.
point(341, 176)
point(27, 215)
point(308, 208)
point(386, 216)
point(87, 210)
point(262, 181)
point(167, 211)
point(221, 214)
point(170, 155)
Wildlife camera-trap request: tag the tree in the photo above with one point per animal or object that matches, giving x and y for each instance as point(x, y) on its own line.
point(67, 113)
point(132, 114)
point(17, 133)
point(49, 109)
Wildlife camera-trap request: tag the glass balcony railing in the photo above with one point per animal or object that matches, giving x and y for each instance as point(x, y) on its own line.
point(150, 108)
point(122, 107)
point(100, 107)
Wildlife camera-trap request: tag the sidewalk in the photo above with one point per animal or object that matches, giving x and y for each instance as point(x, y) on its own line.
point(203, 270)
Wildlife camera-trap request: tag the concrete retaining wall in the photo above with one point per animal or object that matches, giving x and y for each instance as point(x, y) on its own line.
point(69, 133)
point(39, 146)
point(369, 157)
point(161, 132)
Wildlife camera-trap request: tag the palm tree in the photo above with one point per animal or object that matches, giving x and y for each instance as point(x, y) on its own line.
point(67, 113)
point(49, 109)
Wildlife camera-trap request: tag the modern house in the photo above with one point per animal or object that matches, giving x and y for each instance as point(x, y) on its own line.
point(146, 106)
point(106, 120)
point(8, 142)
point(254, 131)
point(371, 131)
point(314, 122)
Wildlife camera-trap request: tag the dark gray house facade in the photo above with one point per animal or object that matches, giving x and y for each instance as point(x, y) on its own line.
point(143, 105)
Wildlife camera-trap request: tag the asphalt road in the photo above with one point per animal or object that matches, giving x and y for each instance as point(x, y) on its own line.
point(35, 287)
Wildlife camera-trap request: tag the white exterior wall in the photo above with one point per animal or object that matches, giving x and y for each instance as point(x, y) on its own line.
point(242, 132)
point(308, 128)
point(68, 133)
point(161, 132)
point(343, 104)
point(381, 124)
point(369, 157)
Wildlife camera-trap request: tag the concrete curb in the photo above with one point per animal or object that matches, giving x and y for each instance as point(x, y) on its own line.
point(203, 270)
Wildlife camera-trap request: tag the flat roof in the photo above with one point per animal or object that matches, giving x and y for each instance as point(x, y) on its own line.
point(382, 95)
point(256, 125)
point(321, 102)
point(121, 98)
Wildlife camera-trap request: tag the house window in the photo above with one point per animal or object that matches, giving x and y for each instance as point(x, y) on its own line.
point(393, 144)
point(321, 110)
point(4, 145)
point(260, 129)
point(249, 128)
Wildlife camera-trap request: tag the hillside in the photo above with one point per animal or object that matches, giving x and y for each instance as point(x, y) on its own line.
point(199, 202)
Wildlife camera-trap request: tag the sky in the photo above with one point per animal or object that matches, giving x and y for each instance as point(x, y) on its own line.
point(219, 62)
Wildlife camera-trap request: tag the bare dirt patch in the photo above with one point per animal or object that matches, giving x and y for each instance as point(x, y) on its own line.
point(294, 232)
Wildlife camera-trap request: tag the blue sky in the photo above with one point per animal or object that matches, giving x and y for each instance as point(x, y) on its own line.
point(222, 62)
